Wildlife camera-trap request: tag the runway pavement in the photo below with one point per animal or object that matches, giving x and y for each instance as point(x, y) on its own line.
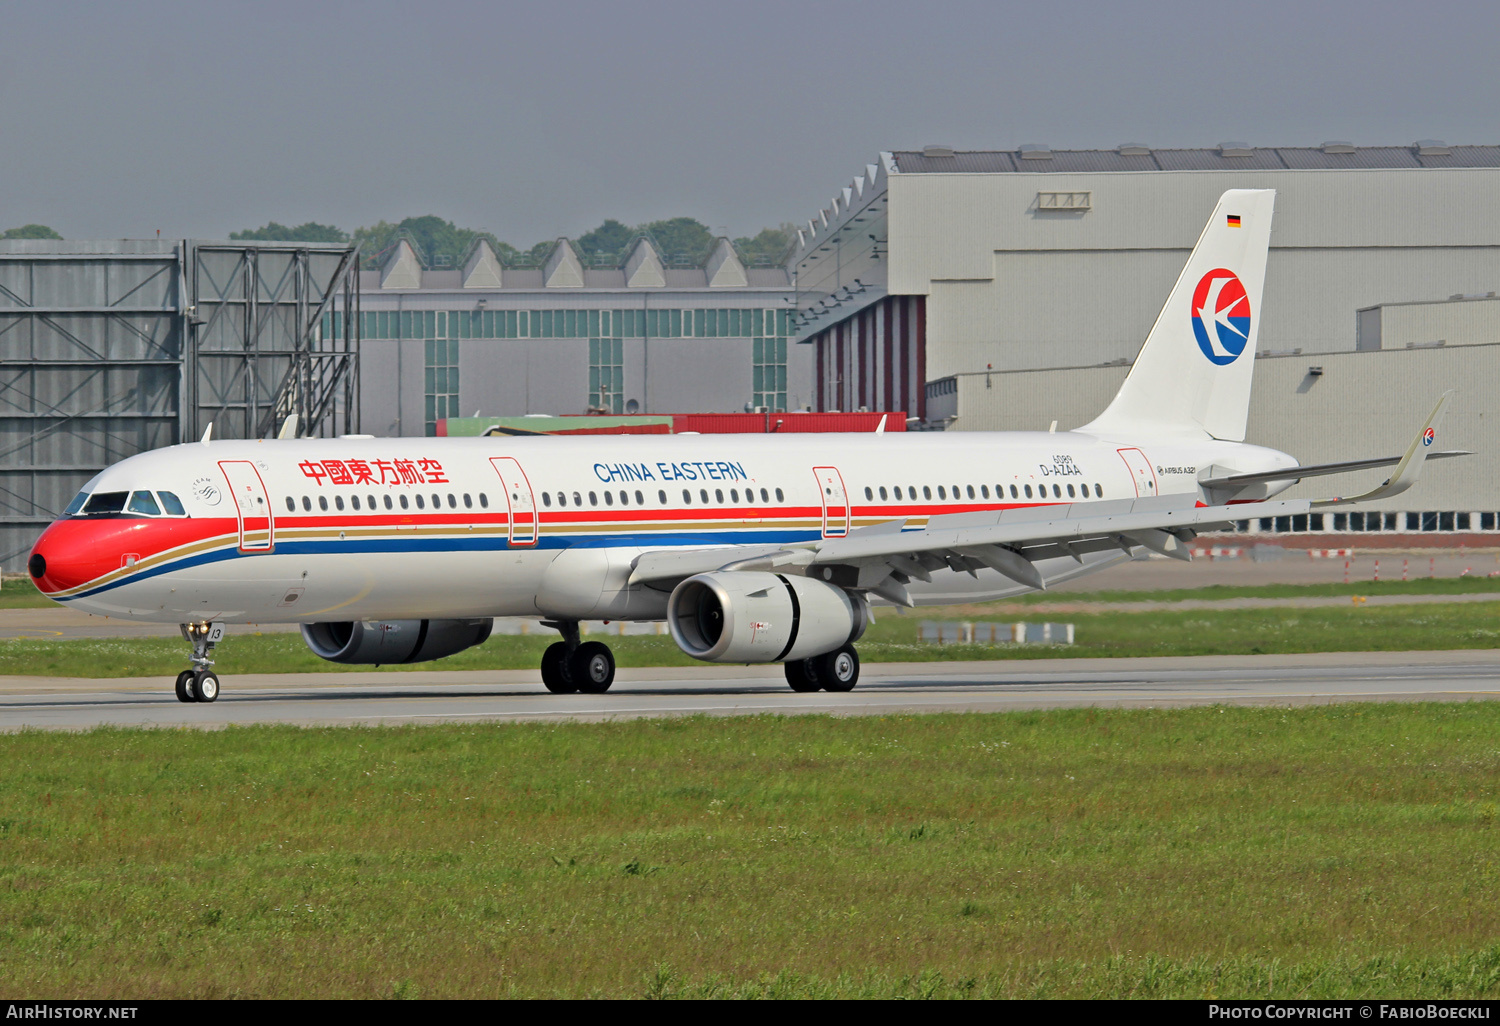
point(439, 696)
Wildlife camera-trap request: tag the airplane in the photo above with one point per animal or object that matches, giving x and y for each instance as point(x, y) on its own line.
point(753, 548)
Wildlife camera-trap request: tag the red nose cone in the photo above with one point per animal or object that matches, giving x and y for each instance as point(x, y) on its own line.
point(65, 556)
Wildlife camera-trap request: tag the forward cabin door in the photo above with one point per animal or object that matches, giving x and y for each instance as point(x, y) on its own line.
point(835, 502)
point(519, 499)
point(1140, 471)
point(251, 504)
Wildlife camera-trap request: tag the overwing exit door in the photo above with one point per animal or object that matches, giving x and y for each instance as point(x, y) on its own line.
point(1140, 471)
point(251, 505)
point(835, 502)
point(519, 500)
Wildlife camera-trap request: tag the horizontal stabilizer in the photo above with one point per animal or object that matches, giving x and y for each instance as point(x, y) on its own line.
point(1318, 470)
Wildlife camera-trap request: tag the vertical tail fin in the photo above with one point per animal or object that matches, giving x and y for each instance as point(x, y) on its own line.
point(1193, 374)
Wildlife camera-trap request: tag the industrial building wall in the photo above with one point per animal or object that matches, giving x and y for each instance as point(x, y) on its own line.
point(1362, 404)
point(1015, 287)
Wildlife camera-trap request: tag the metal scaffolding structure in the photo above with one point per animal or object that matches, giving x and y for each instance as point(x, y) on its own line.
point(108, 349)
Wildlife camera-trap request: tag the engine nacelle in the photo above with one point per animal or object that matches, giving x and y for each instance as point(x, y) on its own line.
point(394, 641)
point(743, 616)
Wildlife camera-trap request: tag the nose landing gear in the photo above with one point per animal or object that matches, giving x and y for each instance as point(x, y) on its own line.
point(568, 666)
point(200, 684)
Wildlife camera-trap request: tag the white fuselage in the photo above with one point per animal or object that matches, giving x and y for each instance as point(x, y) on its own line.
point(374, 528)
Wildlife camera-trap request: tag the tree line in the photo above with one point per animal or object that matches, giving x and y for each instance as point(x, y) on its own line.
point(683, 241)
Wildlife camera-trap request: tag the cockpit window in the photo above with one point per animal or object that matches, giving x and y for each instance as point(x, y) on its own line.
point(77, 503)
point(144, 502)
point(172, 504)
point(105, 502)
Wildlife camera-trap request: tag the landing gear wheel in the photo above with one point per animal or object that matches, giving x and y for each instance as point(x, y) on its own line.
point(557, 674)
point(802, 675)
point(839, 670)
point(593, 666)
point(184, 691)
point(204, 686)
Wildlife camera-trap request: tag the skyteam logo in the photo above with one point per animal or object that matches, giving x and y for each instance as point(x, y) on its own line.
point(1221, 316)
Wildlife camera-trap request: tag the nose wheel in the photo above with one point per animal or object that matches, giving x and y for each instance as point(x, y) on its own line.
point(200, 684)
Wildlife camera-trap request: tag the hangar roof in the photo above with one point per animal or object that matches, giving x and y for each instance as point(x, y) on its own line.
point(1429, 153)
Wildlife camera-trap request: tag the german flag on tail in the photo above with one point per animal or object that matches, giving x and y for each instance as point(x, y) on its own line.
point(1234, 220)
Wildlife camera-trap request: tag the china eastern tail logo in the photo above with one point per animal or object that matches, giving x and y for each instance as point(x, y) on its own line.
point(1221, 316)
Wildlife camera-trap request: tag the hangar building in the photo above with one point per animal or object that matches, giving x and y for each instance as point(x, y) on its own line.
point(639, 337)
point(999, 290)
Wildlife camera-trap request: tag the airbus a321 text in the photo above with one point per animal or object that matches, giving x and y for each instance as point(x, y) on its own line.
point(754, 549)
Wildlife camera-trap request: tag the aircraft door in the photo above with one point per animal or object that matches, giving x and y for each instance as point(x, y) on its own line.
point(251, 505)
point(519, 500)
point(835, 502)
point(1140, 471)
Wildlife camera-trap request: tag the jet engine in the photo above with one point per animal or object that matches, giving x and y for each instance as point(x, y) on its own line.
point(394, 641)
point(741, 616)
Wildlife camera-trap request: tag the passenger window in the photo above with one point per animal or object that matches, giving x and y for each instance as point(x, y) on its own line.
point(1098, 492)
point(469, 500)
point(546, 498)
point(338, 502)
point(1056, 492)
point(640, 500)
point(766, 498)
point(323, 503)
point(779, 497)
point(749, 494)
point(437, 501)
point(687, 497)
point(291, 504)
point(420, 503)
point(870, 494)
point(624, 498)
point(387, 502)
point(927, 491)
point(577, 499)
point(882, 493)
point(609, 499)
point(971, 491)
point(173, 505)
point(371, 500)
point(354, 501)
point(484, 500)
point(703, 494)
point(734, 494)
point(984, 492)
point(942, 494)
point(719, 496)
point(144, 502)
point(661, 497)
point(1070, 491)
point(404, 503)
point(1028, 490)
point(593, 499)
point(1014, 494)
point(306, 504)
point(452, 501)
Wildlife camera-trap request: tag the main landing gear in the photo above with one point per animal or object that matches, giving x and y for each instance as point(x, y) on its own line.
point(200, 684)
point(570, 665)
point(833, 671)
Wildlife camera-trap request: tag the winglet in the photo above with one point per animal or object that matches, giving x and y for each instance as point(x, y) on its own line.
point(1410, 467)
point(288, 427)
point(880, 428)
point(208, 433)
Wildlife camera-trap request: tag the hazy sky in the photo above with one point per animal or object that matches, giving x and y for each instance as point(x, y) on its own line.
point(540, 119)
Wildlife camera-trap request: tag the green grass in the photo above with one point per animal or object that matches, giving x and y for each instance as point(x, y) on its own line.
point(892, 639)
point(1471, 585)
point(20, 593)
point(1333, 851)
